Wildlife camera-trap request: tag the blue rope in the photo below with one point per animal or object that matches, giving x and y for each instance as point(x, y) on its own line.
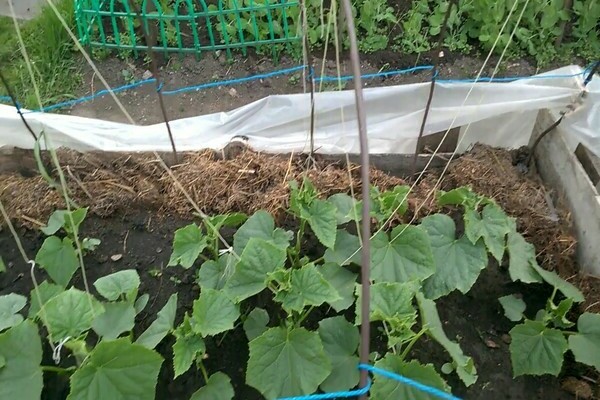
point(377, 371)
point(424, 388)
point(93, 96)
point(286, 71)
point(333, 395)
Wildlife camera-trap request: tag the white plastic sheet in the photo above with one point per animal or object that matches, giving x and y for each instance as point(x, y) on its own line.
point(499, 114)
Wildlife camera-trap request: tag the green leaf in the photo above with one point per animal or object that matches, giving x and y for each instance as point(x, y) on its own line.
point(230, 220)
point(560, 284)
point(113, 286)
point(60, 218)
point(214, 274)
point(340, 341)
point(250, 276)
point(585, 345)
point(347, 209)
point(462, 196)
point(307, 288)
point(287, 363)
point(393, 202)
point(117, 370)
point(187, 246)
point(343, 281)
point(464, 365)
point(536, 349)
point(343, 250)
point(46, 291)
point(58, 258)
point(71, 313)
point(141, 303)
point(117, 318)
point(90, 244)
point(218, 387)
point(162, 325)
point(405, 258)
point(10, 305)
point(260, 226)
point(323, 222)
point(2, 265)
point(21, 374)
point(389, 300)
point(213, 313)
point(492, 225)
point(458, 262)
point(514, 307)
point(187, 348)
point(559, 313)
point(384, 388)
point(521, 257)
point(256, 323)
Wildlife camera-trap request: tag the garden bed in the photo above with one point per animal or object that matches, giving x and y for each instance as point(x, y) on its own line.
point(135, 209)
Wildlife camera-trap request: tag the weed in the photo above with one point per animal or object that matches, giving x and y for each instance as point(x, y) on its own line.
point(50, 50)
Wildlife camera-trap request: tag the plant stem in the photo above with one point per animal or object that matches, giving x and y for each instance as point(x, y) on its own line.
point(387, 333)
point(58, 370)
point(412, 343)
point(204, 373)
point(299, 238)
point(318, 260)
point(304, 315)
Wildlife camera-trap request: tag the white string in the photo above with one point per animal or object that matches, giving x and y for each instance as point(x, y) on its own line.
point(447, 131)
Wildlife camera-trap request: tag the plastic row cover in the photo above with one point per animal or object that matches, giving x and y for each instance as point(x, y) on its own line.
point(499, 114)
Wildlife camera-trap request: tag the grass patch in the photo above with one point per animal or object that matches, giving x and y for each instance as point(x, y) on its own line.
point(51, 51)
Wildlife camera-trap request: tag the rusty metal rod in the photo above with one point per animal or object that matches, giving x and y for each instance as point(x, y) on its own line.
point(434, 72)
point(11, 94)
point(155, 73)
point(365, 327)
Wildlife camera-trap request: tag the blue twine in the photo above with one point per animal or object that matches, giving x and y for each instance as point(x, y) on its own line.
point(286, 71)
point(407, 381)
point(378, 371)
point(93, 96)
point(333, 395)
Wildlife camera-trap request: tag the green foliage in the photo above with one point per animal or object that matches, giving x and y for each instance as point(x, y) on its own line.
point(585, 345)
point(70, 314)
point(122, 284)
point(21, 356)
point(514, 307)
point(213, 313)
point(10, 305)
point(403, 256)
point(187, 246)
point(117, 369)
point(458, 262)
point(384, 388)
point(117, 318)
point(536, 349)
point(477, 23)
point(162, 325)
point(340, 342)
point(45, 291)
point(218, 387)
point(256, 323)
point(286, 362)
point(50, 49)
point(59, 258)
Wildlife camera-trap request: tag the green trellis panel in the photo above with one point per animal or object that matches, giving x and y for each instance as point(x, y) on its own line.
point(187, 26)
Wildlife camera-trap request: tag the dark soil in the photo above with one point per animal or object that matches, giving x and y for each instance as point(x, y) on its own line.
point(144, 239)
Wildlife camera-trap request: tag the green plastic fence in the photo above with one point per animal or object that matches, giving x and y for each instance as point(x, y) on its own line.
point(188, 26)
